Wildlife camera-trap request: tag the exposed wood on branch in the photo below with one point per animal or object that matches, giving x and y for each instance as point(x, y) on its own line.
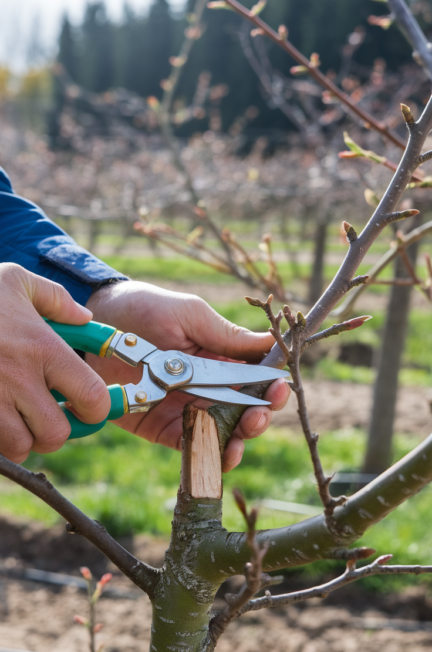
point(201, 474)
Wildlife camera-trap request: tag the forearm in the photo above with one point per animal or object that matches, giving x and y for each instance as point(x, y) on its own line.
point(30, 239)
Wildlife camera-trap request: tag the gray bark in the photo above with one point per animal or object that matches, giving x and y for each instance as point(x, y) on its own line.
point(380, 436)
point(316, 283)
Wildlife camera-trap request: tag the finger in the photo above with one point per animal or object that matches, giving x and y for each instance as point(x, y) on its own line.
point(233, 453)
point(213, 332)
point(53, 301)
point(278, 394)
point(164, 423)
point(68, 374)
point(44, 418)
point(16, 439)
point(254, 422)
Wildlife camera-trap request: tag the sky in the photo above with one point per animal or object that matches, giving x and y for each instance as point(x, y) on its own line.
point(21, 18)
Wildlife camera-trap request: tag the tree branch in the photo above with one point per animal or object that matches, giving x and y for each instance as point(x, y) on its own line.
point(281, 40)
point(336, 329)
point(352, 574)
point(414, 35)
point(346, 308)
point(144, 576)
point(338, 287)
point(316, 538)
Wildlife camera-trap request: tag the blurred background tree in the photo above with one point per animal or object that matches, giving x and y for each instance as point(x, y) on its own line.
point(134, 53)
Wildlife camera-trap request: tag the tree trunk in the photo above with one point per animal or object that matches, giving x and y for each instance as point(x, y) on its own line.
point(184, 596)
point(316, 283)
point(379, 447)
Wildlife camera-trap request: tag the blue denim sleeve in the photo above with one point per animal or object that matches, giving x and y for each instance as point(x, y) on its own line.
point(30, 239)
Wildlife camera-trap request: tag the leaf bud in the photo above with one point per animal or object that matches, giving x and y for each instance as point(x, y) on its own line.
point(85, 572)
point(408, 116)
point(301, 320)
point(283, 32)
point(299, 70)
point(81, 621)
point(315, 60)
point(351, 233)
point(371, 197)
point(384, 559)
point(257, 9)
point(381, 21)
point(356, 322)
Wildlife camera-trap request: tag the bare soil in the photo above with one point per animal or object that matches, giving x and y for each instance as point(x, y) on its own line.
point(334, 405)
point(38, 617)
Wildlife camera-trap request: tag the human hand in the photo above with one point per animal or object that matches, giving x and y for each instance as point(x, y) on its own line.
point(34, 359)
point(172, 320)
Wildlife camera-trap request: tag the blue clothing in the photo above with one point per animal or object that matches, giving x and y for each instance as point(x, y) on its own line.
point(30, 239)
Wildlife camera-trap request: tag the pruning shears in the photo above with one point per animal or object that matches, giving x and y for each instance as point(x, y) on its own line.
point(163, 372)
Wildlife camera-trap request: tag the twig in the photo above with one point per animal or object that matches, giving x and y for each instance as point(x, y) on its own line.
point(352, 574)
point(336, 329)
point(423, 158)
point(282, 41)
point(394, 281)
point(412, 32)
point(400, 215)
point(191, 35)
point(150, 232)
point(407, 263)
point(338, 287)
point(358, 280)
point(292, 351)
point(255, 579)
point(144, 576)
point(323, 481)
point(275, 320)
point(346, 308)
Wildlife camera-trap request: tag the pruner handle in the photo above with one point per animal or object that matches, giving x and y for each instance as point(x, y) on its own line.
point(91, 338)
point(81, 429)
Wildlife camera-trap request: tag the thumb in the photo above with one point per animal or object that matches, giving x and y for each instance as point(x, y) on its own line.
point(53, 301)
point(216, 334)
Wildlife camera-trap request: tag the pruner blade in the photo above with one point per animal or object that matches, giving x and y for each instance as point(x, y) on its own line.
point(224, 395)
point(224, 374)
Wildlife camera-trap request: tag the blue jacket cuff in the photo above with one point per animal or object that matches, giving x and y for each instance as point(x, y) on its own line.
point(30, 239)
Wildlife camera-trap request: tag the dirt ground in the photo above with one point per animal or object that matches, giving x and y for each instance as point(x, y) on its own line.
point(38, 617)
point(334, 405)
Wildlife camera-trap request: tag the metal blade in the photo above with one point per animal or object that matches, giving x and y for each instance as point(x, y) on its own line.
point(224, 395)
point(216, 373)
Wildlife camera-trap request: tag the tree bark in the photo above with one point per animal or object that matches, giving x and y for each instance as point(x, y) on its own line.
point(184, 596)
point(380, 435)
point(316, 283)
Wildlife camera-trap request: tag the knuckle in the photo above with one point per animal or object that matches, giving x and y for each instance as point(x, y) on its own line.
point(51, 349)
point(9, 271)
point(93, 393)
point(54, 437)
point(58, 294)
point(18, 448)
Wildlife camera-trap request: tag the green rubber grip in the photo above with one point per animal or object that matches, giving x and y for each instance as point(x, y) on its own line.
point(81, 429)
point(90, 337)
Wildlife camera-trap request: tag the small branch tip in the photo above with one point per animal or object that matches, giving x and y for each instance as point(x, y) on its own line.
point(400, 215)
point(408, 116)
point(351, 233)
point(301, 321)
